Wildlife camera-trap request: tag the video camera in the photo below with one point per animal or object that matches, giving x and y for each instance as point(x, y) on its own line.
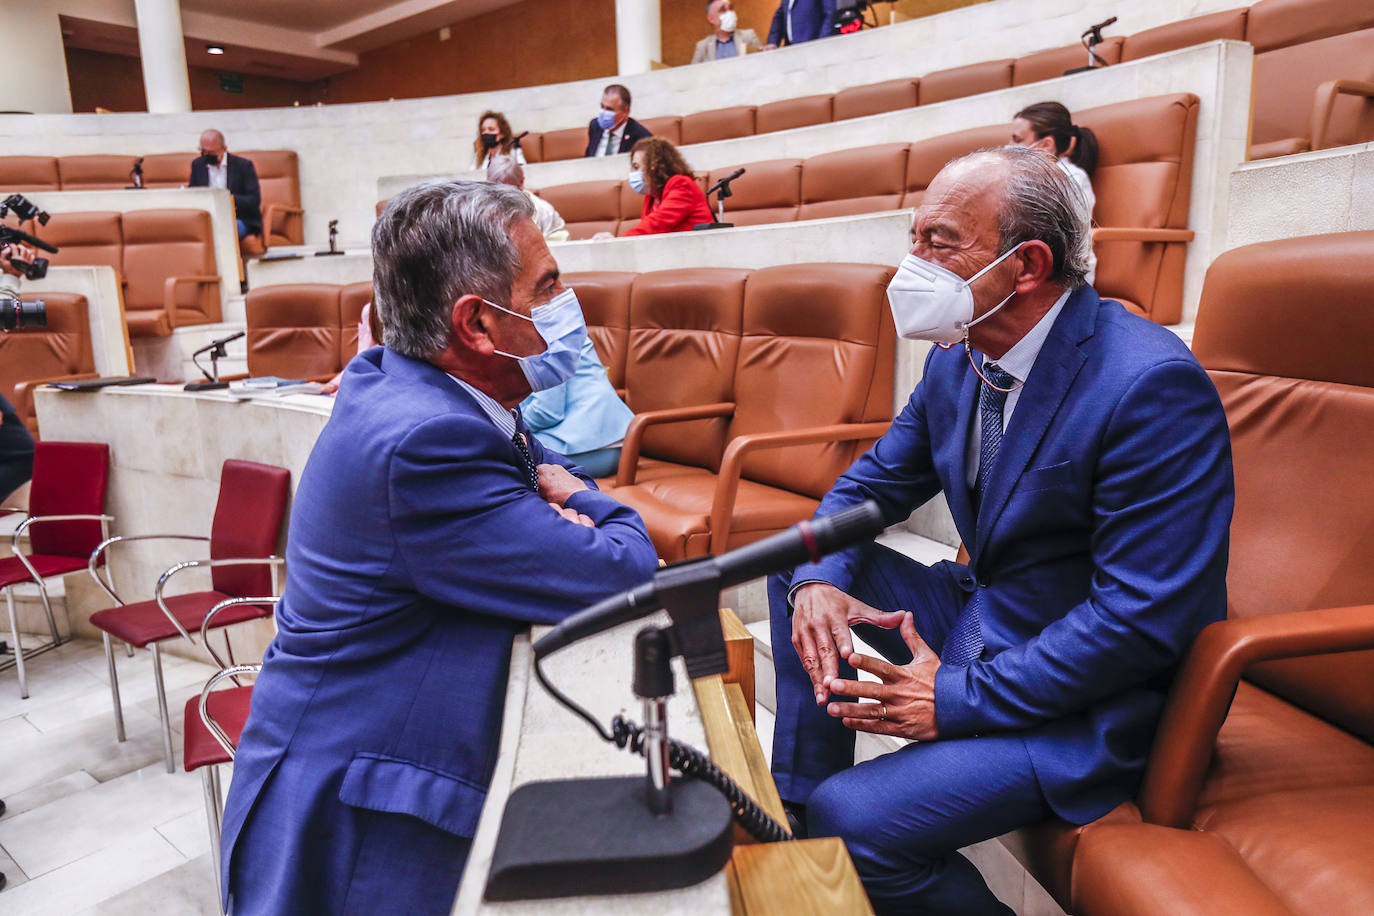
point(14, 312)
point(849, 17)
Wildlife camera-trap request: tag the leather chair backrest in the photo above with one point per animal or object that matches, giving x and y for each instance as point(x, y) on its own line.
point(971, 79)
point(167, 170)
point(1274, 24)
point(683, 349)
point(669, 128)
point(247, 523)
point(279, 178)
point(718, 124)
point(159, 244)
point(768, 192)
point(816, 349)
point(1144, 179)
point(927, 157)
point(861, 180)
point(1047, 65)
point(605, 299)
point(69, 478)
point(587, 207)
point(570, 143)
point(533, 146)
point(294, 330)
point(352, 298)
point(875, 98)
point(799, 112)
point(1286, 81)
point(1284, 330)
point(1229, 24)
point(63, 347)
point(94, 238)
point(22, 174)
point(94, 173)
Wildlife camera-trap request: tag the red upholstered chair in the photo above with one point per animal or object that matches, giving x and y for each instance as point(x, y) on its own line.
point(242, 564)
point(66, 515)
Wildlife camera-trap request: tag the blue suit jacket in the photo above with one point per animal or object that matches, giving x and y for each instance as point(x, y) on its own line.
point(417, 551)
point(1100, 545)
point(582, 414)
point(810, 19)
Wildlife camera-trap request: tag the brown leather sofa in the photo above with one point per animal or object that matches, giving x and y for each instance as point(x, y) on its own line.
point(1259, 796)
point(1142, 185)
point(32, 356)
point(95, 173)
point(304, 330)
point(23, 174)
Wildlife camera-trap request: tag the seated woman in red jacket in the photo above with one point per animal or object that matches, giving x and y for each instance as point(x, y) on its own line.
point(673, 201)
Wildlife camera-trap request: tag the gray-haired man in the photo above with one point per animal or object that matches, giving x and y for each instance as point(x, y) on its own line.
point(508, 171)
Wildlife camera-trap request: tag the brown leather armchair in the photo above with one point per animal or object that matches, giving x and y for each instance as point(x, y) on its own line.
point(95, 173)
point(61, 351)
point(22, 174)
point(280, 181)
point(169, 271)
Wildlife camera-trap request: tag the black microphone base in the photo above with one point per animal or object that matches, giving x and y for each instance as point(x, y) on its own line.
point(326, 254)
point(579, 837)
point(204, 386)
point(701, 226)
point(1083, 69)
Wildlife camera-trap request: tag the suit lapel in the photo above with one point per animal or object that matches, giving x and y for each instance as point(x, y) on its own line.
point(1051, 377)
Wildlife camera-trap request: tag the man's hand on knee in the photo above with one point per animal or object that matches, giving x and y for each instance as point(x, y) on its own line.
point(904, 695)
point(821, 618)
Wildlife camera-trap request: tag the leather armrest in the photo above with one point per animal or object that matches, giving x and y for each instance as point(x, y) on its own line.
point(1202, 692)
point(1324, 102)
point(23, 396)
point(634, 435)
point(1140, 234)
point(293, 222)
point(169, 292)
point(727, 481)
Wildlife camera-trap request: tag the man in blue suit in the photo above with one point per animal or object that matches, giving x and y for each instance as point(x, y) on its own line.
point(1086, 461)
point(429, 527)
point(800, 20)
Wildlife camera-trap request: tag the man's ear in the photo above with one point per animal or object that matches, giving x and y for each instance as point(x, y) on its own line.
point(1035, 264)
point(470, 325)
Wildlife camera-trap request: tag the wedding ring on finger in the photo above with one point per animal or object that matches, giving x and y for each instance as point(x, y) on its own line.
point(882, 716)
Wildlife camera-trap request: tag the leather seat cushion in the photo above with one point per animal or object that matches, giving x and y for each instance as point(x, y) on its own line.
point(12, 571)
point(1047, 849)
point(229, 708)
point(1285, 147)
point(147, 322)
point(141, 622)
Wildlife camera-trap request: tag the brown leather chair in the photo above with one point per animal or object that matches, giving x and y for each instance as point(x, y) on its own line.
point(533, 147)
point(1228, 24)
point(167, 170)
point(95, 173)
point(294, 330)
point(605, 299)
point(861, 180)
point(876, 98)
point(169, 271)
point(971, 79)
point(1314, 75)
point(1047, 65)
point(718, 124)
point(280, 181)
point(564, 144)
point(767, 192)
point(927, 157)
point(95, 237)
point(587, 207)
point(669, 128)
point(631, 206)
point(22, 174)
point(798, 112)
point(1262, 803)
point(352, 298)
point(33, 356)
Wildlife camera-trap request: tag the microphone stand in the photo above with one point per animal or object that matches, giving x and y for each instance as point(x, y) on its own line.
point(136, 176)
point(218, 351)
point(722, 191)
point(333, 241)
point(1091, 39)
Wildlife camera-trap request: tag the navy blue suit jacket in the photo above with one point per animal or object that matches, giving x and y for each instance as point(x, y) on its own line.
point(634, 132)
point(810, 19)
point(1100, 545)
point(417, 551)
point(243, 185)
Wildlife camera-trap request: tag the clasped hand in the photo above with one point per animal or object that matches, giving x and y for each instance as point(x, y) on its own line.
point(904, 694)
point(556, 484)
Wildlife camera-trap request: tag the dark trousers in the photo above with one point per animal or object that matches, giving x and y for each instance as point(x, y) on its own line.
point(16, 451)
point(903, 815)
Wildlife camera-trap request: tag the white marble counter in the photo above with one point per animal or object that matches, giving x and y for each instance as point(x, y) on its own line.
point(1329, 190)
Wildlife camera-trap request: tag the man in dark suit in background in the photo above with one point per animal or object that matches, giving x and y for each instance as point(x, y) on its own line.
point(1086, 461)
point(613, 131)
point(800, 20)
point(216, 167)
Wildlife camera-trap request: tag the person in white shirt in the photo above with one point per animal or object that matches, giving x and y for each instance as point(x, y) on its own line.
point(507, 170)
point(725, 39)
point(1049, 126)
point(494, 138)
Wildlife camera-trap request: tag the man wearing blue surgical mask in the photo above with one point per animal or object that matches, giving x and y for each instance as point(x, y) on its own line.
point(613, 131)
point(1085, 459)
point(428, 528)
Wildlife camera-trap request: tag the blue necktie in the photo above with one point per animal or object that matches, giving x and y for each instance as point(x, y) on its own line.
point(965, 641)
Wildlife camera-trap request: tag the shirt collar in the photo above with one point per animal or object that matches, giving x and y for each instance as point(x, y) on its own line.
point(503, 418)
point(1017, 361)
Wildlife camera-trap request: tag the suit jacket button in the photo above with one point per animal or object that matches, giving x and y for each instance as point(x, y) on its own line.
point(966, 581)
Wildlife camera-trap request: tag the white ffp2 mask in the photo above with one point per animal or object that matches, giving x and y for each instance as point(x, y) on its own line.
point(930, 302)
point(728, 21)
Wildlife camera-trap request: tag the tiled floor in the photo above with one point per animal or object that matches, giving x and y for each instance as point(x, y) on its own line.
point(94, 825)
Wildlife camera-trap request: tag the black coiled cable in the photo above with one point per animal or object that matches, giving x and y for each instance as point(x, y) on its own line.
point(694, 764)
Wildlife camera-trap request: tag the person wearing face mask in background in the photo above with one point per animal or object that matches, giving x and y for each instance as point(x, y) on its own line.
point(427, 530)
point(726, 40)
point(673, 201)
point(1086, 461)
point(613, 131)
point(494, 138)
point(216, 167)
point(1048, 126)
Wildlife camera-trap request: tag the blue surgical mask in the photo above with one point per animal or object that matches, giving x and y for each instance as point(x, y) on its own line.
point(564, 330)
point(606, 118)
point(637, 181)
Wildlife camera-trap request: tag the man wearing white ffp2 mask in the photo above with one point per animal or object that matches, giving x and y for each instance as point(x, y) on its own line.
point(1085, 460)
point(725, 40)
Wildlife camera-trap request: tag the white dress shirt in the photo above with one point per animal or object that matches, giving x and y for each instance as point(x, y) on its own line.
point(219, 174)
point(503, 418)
point(609, 144)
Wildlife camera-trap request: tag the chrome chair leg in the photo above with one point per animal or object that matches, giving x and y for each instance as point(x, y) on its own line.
point(47, 612)
point(209, 780)
point(18, 648)
point(114, 687)
point(129, 649)
point(162, 710)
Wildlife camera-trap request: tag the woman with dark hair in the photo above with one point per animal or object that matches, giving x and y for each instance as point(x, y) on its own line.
point(1049, 126)
point(673, 201)
point(494, 138)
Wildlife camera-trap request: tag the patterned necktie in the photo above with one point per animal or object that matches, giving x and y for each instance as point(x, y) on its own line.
point(607, 150)
point(965, 642)
point(523, 447)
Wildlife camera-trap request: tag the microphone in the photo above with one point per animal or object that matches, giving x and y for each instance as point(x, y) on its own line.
point(724, 182)
point(217, 344)
point(805, 541)
point(1097, 29)
point(515, 141)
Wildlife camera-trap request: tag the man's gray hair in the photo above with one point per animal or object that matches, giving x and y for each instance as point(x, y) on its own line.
point(1040, 202)
point(505, 170)
point(434, 243)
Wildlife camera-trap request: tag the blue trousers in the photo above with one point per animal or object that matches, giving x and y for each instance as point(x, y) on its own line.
point(903, 815)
